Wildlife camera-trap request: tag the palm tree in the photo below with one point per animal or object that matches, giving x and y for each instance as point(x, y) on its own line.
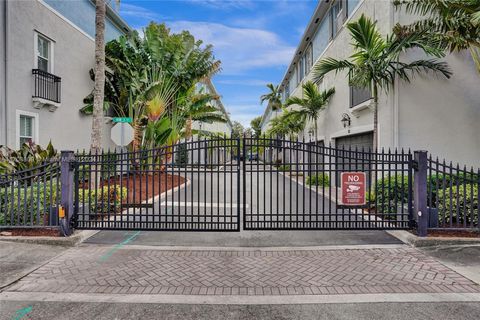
point(289, 123)
point(455, 23)
point(273, 98)
point(310, 106)
point(375, 62)
point(98, 91)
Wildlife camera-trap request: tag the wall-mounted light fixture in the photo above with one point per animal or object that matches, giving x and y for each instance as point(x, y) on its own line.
point(346, 120)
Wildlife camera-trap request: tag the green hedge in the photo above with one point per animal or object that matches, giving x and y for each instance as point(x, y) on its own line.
point(103, 200)
point(463, 198)
point(390, 192)
point(284, 167)
point(35, 200)
point(320, 179)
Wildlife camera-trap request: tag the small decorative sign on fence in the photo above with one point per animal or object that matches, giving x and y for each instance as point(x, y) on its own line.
point(353, 188)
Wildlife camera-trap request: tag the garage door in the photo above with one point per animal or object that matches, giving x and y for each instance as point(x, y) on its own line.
point(359, 141)
point(351, 160)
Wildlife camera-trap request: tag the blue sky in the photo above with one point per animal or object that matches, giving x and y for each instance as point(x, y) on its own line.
point(254, 39)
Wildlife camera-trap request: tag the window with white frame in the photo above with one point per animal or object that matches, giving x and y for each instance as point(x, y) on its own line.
point(308, 59)
point(44, 53)
point(27, 127)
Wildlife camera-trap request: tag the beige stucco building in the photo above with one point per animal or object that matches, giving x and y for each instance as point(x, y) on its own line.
point(430, 113)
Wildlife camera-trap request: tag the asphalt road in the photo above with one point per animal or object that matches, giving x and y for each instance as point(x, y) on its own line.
point(371, 311)
point(227, 198)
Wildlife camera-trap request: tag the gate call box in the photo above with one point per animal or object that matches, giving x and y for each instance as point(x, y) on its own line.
point(353, 188)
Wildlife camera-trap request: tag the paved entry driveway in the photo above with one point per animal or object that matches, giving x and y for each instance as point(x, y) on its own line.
point(130, 270)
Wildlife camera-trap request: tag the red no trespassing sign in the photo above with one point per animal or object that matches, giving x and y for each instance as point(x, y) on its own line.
point(353, 188)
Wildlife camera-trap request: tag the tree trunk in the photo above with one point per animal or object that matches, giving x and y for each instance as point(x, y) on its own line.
point(375, 117)
point(475, 53)
point(315, 128)
point(188, 128)
point(137, 135)
point(98, 91)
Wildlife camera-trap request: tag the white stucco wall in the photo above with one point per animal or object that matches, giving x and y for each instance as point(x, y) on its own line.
point(430, 113)
point(73, 58)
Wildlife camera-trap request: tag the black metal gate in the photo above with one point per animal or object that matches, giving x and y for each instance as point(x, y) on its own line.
point(190, 186)
point(295, 185)
point(212, 184)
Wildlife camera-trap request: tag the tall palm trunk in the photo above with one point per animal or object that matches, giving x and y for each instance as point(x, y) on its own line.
point(137, 135)
point(475, 53)
point(98, 92)
point(188, 128)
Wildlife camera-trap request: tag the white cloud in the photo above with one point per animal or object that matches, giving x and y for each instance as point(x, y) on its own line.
point(240, 49)
point(133, 11)
point(244, 82)
point(244, 113)
point(225, 4)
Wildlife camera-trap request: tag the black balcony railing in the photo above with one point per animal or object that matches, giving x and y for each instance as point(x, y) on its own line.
point(358, 96)
point(46, 86)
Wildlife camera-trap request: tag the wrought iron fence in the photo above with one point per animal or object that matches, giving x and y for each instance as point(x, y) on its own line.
point(147, 189)
point(453, 195)
point(30, 198)
point(296, 185)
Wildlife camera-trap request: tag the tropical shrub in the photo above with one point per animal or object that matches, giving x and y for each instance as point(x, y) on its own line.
point(320, 179)
point(181, 156)
point(461, 199)
point(390, 192)
point(106, 199)
point(284, 167)
point(28, 156)
point(28, 206)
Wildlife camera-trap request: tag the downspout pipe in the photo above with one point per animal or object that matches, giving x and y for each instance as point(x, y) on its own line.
point(5, 76)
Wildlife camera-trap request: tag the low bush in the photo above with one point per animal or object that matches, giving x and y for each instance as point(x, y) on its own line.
point(106, 199)
point(284, 167)
point(29, 205)
point(391, 192)
point(458, 203)
point(320, 179)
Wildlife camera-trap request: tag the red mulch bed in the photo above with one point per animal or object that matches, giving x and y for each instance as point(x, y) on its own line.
point(146, 186)
point(451, 233)
point(38, 232)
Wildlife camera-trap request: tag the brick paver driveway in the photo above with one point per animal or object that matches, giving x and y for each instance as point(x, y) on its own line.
point(244, 271)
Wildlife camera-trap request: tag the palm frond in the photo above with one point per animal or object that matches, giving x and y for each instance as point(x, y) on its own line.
point(328, 65)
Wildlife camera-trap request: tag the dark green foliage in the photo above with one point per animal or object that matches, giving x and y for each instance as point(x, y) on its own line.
point(458, 204)
point(107, 199)
point(320, 179)
point(181, 156)
point(28, 206)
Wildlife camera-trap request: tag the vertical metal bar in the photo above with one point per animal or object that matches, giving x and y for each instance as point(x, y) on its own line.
point(238, 186)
